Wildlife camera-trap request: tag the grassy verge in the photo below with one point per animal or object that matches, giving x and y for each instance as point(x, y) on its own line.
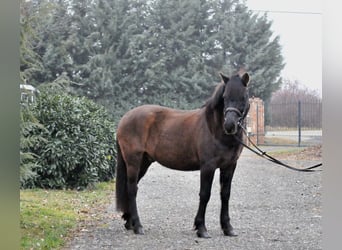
point(279, 141)
point(313, 153)
point(47, 216)
point(286, 151)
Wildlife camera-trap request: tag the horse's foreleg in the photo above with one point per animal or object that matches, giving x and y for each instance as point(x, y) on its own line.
point(207, 176)
point(226, 176)
point(132, 189)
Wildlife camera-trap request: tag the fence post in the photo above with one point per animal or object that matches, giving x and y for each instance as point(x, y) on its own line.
point(257, 124)
point(299, 123)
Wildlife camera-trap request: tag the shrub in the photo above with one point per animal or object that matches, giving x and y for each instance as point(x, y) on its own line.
point(78, 145)
point(30, 135)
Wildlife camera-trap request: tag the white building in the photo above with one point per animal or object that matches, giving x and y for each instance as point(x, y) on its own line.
point(27, 93)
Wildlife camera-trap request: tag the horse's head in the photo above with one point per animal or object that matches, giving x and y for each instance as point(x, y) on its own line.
point(235, 101)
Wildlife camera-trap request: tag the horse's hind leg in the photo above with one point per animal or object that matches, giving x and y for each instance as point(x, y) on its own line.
point(134, 173)
point(127, 215)
point(132, 216)
point(145, 163)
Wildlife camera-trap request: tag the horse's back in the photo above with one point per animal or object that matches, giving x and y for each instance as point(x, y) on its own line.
point(144, 117)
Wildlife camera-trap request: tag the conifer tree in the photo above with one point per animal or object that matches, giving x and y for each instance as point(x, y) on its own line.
point(123, 53)
point(30, 60)
point(245, 41)
point(53, 32)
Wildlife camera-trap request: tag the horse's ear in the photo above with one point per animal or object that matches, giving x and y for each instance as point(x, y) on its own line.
point(224, 78)
point(245, 79)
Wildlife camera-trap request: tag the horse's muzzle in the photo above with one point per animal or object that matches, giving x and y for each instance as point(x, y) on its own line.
point(230, 128)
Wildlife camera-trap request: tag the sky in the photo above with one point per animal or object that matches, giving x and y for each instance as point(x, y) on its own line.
point(299, 26)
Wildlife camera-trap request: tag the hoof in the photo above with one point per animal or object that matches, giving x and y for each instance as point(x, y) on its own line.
point(128, 225)
point(203, 234)
point(229, 232)
point(139, 230)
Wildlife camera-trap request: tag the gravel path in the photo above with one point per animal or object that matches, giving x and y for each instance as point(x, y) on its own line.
point(271, 208)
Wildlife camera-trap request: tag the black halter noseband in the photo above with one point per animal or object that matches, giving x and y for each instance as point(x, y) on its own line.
point(242, 116)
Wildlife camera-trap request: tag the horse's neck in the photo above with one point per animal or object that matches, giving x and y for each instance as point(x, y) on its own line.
point(214, 120)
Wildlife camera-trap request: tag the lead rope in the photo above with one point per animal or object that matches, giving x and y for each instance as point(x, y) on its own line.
point(266, 156)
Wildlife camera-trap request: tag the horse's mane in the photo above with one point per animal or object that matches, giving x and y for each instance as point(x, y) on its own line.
point(216, 99)
point(214, 108)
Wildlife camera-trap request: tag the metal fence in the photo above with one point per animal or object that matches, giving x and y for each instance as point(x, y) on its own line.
point(298, 124)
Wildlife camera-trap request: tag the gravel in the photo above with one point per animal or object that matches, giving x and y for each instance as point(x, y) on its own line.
point(270, 207)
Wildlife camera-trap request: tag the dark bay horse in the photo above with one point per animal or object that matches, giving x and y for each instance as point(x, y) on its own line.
point(202, 139)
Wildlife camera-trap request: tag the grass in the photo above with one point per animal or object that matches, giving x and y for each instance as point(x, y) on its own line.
point(313, 153)
point(279, 141)
point(287, 151)
point(47, 217)
point(268, 128)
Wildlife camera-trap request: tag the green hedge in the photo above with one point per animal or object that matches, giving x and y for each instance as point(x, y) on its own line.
point(66, 142)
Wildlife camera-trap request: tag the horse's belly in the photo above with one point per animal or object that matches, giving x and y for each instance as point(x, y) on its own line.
point(175, 150)
point(182, 166)
point(177, 160)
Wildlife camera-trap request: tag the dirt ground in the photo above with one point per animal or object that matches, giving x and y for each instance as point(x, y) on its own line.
point(271, 208)
point(310, 153)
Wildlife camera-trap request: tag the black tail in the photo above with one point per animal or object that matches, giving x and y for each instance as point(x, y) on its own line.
point(121, 182)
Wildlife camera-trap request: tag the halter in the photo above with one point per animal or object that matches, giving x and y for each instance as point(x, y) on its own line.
point(242, 116)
